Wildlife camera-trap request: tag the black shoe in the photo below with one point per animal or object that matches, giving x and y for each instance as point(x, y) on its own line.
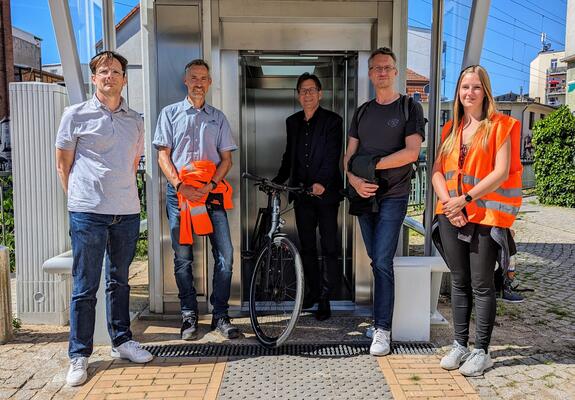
point(308, 302)
point(225, 328)
point(189, 330)
point(323, 310)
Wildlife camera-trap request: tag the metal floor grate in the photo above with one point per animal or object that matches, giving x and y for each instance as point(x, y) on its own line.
point(294, 349)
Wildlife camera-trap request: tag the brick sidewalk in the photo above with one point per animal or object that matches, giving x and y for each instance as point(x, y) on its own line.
point(163, 378)
point(422, 377)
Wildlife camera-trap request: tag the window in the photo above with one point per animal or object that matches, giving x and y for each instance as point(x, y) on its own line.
point(506, 112)
point(531, 119)
point(445, 115)
point(553, 63)
point(541, 116)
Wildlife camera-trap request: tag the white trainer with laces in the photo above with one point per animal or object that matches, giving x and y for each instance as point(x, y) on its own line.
point(477, 362)
point(455, 357)
point(131, 350)
point(78, 371)
point(381, 343)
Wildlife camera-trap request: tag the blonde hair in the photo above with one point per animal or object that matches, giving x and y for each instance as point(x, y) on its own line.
point(488, 110)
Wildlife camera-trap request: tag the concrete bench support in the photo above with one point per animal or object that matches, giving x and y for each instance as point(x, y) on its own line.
point(417, 282)
point(62, 264)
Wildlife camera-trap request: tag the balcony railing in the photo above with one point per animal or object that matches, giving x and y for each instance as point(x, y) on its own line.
point(557, 70)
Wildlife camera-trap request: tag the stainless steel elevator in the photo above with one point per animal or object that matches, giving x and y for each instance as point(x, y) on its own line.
point(238, 38)
point(268, 97)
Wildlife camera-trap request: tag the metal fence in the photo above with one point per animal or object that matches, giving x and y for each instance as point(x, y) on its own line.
point(419, 185)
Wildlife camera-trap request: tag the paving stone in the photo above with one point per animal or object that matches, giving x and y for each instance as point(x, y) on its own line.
point(6, 393)
point(24, 394)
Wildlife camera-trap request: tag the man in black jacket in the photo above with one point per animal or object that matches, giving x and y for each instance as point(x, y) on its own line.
point(311, 158)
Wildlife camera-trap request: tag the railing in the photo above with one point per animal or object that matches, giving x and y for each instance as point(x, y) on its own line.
point(419, 185)
point(557, 70)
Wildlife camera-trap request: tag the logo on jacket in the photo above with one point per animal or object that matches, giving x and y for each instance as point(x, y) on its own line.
point(392, 123)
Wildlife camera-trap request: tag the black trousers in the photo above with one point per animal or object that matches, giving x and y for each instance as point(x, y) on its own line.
point(472, 267)
point(310, 214)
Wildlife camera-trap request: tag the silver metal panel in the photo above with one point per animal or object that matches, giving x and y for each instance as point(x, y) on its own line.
point(475, 32)
point(312, 10)
point(399, 40)
point(230, 102)
point(40, 216)
point(295, 36)
point(150, 88)
point(362, 263)
point(178, 39)
point(66, 41)
point(108, 25)
point(433, 115)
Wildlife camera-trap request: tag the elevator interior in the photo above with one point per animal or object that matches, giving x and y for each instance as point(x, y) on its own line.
point(268, 97)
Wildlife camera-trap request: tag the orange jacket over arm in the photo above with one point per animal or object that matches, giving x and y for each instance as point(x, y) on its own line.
point(194, 216)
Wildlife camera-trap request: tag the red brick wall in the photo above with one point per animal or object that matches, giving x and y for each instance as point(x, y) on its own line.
point(6, 57)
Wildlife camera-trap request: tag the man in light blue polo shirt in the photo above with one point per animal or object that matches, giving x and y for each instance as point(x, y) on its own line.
point(188, 131)
point(98, 147)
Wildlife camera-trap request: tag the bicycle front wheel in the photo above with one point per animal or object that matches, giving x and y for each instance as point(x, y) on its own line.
point(276, 292)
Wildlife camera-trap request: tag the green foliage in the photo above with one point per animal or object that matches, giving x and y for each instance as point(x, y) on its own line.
point(554, 142)
point(7, 235)
point(142, 246)
point(16, 323)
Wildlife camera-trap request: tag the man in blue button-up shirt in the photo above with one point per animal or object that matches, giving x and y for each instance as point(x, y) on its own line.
point(188, 131)
point(98, 147)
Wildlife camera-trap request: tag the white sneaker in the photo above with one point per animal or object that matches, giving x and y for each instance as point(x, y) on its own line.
point(454, 358)
point(380, 345)
point(77, 373)
point(476, 363)
point(131, 350)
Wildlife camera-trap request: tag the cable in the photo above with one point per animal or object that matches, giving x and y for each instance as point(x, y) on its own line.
point(504, 21)
point(538, 12)
point(542, 74)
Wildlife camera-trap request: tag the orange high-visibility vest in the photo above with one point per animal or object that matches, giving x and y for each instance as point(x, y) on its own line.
point(193, 214)
point(500, 207)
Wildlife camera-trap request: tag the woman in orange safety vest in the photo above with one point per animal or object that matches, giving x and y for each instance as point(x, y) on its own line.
point(477, 179)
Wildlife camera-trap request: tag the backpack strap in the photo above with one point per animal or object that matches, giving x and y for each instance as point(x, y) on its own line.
point(406, 100)
point(361, 111)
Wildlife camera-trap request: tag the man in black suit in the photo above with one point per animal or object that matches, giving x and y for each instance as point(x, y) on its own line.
point(311, 158)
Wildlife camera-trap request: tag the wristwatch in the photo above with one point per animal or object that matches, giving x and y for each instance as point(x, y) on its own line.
point(468, 198)
point(214, 184)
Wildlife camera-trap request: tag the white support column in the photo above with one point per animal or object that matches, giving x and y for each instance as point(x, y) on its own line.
point(68, 51)
point(475, 32)
point(108, 25)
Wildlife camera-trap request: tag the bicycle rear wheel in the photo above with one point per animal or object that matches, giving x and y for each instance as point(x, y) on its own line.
point(276, 292)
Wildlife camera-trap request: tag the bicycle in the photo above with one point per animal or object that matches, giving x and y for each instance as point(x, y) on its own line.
point(277, 281)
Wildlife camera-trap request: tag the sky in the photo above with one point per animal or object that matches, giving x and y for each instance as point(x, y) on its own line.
point(512, 38)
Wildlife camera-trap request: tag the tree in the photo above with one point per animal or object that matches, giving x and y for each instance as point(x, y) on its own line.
point(554, 142)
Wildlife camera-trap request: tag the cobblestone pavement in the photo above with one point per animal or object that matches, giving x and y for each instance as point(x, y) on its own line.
point(533, 342)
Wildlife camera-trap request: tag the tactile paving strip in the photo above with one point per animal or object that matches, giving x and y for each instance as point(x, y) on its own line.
point(298, 377)
point(303, 349)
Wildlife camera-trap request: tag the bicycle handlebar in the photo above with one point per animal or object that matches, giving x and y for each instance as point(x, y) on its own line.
point(272, 185)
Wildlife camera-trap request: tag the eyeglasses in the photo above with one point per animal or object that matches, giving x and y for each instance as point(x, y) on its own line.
point(312, 90)
point(109, 72)
point(379, 69)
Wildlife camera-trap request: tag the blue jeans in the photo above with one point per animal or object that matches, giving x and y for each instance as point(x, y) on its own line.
point(380, 233)
point(222, 251)
point(95, 236)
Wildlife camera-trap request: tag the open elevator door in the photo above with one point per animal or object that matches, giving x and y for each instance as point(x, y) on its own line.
point(268, 96)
